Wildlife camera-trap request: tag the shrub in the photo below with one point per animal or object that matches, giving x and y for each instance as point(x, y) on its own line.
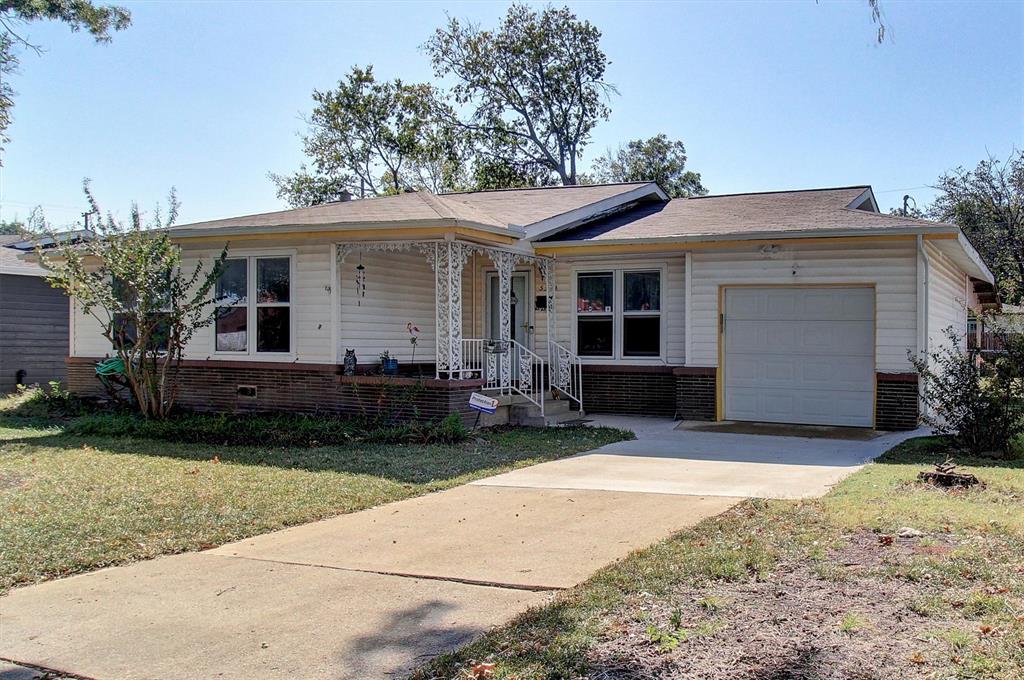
point(272, 430)
point(978, 401)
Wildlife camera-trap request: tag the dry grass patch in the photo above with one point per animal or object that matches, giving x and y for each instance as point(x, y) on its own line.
point(799, 590)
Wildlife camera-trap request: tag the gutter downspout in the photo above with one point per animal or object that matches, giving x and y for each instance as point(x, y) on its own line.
point(922, 312)
point(922, 297)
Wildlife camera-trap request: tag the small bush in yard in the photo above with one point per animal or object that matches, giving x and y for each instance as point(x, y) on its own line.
point(36, 402)
point(978, 401)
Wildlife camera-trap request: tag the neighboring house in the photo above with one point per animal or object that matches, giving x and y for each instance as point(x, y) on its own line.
point(33, 320)
point(792, 306)
point(987, 333)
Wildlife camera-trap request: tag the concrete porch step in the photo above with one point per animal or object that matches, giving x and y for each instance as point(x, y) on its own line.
point(556, 412)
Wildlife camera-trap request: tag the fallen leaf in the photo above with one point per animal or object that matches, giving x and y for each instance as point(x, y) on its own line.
point(481, 670)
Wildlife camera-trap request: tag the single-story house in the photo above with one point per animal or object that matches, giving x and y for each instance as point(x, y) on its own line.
point(787, 306)
point(33, 320)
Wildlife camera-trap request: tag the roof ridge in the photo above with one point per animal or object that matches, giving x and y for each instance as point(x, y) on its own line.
point(556, 186)
point(436, 204)
point(902, 217)
point(779, 191)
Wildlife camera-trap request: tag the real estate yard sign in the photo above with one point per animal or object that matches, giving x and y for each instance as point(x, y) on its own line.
point(483, 403)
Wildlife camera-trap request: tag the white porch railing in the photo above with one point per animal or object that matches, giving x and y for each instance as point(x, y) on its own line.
point(474, 363)
point(517, 370)
point(566, 373)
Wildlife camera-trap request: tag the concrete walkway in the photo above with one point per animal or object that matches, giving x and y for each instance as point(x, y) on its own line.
point(373, 594)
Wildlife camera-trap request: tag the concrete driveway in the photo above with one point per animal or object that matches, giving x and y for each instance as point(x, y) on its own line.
point(374, 593)
point(667, 459)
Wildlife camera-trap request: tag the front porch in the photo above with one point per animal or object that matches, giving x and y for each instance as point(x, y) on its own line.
point(455, 311)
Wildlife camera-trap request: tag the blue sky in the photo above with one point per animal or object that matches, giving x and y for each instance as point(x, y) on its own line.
point(207, 96)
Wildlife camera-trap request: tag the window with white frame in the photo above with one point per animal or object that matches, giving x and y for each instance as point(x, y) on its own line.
point(618, 314)
point(254, 293)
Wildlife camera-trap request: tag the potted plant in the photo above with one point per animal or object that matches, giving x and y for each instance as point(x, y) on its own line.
point(388, 364)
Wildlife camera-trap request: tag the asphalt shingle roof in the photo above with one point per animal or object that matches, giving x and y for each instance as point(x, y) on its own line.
point(10, 263)
point(495, 209)
point(739, 214)
point(529, 206)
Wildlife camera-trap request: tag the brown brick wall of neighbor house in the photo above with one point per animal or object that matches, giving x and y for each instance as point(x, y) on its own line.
point(896, 405)
point(695, 392)
point(301, 388)
point(634, 390)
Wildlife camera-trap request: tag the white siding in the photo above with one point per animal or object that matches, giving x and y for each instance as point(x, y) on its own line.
point(672, 291)
point(947, 298)
point(310, 297)
point(87, 335)
point(890, 266)
point(399, 290)
point(310, 302)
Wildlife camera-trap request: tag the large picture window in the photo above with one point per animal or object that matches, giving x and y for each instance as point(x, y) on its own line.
point(618, 314)
point(254, 293)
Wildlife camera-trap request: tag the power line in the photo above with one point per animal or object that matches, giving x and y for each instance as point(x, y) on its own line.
point(909, 188)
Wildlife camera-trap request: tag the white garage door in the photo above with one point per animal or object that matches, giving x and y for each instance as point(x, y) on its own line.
point(800, 355)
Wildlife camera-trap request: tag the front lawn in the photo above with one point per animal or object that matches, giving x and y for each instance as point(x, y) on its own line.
point(71, 503)
point(816, 589)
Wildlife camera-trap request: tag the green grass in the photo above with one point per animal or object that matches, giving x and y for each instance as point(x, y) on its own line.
point(979, 582)
point(852, 623)
point(73, 503)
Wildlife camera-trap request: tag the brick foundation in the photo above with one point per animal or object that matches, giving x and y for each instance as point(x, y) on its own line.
point(896, 403)
point(695, 392)
point(688, 393)
point(212, 386)
point(633, 390)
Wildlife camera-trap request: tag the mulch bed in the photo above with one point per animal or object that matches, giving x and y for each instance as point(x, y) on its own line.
point(788, 627)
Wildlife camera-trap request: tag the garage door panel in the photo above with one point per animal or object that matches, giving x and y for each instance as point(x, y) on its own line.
point(801, 304)
point(800, 355)
point(811, 407)
point(797, 372)
point(824, 338)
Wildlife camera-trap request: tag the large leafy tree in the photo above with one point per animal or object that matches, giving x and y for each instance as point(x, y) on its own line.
point(99, 20)
point(130, 278)
point(374, 137)
point(534, 87)
point(492, 173)
point(988, 204)
point(657, 159)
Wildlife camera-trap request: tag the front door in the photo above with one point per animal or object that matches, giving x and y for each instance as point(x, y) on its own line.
point(521, 322)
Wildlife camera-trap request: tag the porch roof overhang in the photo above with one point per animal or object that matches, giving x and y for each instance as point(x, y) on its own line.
point(398, 229)
point(518, 251)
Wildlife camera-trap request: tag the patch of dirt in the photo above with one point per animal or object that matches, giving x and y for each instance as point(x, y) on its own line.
point(10, 480)
point(797, 625)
